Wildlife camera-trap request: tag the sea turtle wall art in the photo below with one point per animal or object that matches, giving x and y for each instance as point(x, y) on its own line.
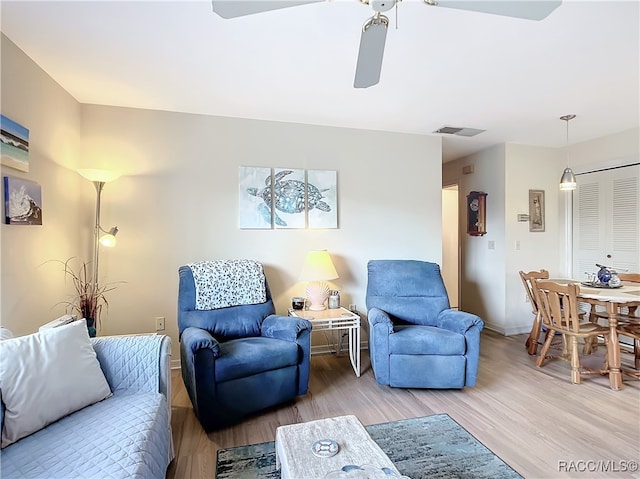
point(323, 182)
point(250, 214)
point(284, 198)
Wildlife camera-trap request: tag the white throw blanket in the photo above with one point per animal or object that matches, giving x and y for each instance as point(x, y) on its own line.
point(224, 283)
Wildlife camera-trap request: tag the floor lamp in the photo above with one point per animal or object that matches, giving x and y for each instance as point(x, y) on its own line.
point(108, 239)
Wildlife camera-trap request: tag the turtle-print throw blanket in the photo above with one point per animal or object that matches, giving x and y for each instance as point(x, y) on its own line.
point(224, 283)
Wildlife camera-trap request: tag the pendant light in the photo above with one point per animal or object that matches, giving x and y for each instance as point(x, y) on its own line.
point(568, 180)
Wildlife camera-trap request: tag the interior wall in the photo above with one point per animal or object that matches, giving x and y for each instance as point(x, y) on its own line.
point(529, 168)
point(177, 202)
point(614, 150)
point(32, 284)
point(482, 280)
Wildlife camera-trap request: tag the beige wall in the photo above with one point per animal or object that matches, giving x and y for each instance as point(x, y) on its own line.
point(177, 201)
point(31, 285)
point(482, 278)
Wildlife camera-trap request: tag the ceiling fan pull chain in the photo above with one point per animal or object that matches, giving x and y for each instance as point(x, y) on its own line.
point(397, 14)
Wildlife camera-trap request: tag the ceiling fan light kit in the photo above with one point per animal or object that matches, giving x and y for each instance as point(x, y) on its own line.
point(374, 31)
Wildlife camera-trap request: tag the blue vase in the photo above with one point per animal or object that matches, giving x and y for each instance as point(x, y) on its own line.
point(91, 328)
point(604, 275)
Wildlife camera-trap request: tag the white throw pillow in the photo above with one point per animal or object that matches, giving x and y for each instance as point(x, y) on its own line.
point(46, 376)
point(5, 334)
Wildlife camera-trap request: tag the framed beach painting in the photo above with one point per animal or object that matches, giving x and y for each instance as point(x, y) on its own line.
point(322, 198)
point(14, 144)
point(22, 202)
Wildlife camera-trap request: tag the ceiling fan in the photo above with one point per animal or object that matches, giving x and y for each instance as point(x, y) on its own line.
point(374, 30)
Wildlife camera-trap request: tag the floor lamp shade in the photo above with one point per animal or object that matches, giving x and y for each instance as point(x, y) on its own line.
point(101, 176)
point(317, 269)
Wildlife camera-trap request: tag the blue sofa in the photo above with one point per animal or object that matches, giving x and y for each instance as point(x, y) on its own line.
point(415, 339)
point(239, 359)
point(127, 435)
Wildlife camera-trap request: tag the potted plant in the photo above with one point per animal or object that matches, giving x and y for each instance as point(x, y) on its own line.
point(89, 297)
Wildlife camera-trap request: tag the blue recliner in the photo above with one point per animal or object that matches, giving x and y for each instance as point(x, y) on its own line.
point(415, 339)
point(237, 357)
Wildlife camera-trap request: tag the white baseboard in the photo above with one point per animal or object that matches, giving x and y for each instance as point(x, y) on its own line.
point(510, 331)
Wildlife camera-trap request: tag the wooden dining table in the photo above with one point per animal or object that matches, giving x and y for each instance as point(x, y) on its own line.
point(612, 299)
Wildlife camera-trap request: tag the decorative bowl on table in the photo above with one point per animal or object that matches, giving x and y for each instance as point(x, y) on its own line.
point(597, 284)
point(366, 471)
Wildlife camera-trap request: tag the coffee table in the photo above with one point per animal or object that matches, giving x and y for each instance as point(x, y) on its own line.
point(296, 460)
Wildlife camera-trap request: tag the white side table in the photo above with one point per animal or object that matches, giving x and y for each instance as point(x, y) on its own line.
point(331, 319)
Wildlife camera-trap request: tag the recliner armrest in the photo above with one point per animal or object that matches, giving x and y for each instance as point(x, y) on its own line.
point(193, 339)
point(377, 317)
point(284, 327)
point(458, 321)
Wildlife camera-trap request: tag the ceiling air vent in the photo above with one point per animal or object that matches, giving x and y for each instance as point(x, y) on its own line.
point(449, 130)
point(452, 130)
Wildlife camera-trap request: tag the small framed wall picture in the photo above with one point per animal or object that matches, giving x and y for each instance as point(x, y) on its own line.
point(14, 144)
point(536, 210)
point(22, 202)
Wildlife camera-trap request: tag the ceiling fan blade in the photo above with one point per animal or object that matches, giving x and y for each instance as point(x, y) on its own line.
point(529, 9)
point(374, 35)
point(240, 8)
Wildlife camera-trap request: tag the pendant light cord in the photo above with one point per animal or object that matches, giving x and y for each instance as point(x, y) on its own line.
point(568, 179)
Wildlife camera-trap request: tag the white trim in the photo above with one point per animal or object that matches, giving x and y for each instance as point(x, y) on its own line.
point(511, 331)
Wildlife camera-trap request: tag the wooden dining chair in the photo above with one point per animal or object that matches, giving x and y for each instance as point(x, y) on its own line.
point(534, 335)
point(558, 306)
point(629, 325)
point(532, 341)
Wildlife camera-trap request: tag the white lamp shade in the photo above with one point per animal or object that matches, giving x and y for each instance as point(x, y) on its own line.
point(568, 180)
point(318, 267)
point(108, 240)
point(102, 176)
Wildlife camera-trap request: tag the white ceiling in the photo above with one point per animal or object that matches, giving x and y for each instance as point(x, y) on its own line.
point(511, 77)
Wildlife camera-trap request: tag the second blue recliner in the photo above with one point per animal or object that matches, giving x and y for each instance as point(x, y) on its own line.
point(415, 339)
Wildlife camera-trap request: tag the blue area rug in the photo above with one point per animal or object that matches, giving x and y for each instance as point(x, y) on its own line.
point(426, 447)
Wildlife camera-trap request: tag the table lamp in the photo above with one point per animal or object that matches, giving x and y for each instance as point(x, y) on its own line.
point(317, 269)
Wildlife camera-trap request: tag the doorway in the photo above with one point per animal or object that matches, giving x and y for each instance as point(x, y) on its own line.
point(451, 244)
